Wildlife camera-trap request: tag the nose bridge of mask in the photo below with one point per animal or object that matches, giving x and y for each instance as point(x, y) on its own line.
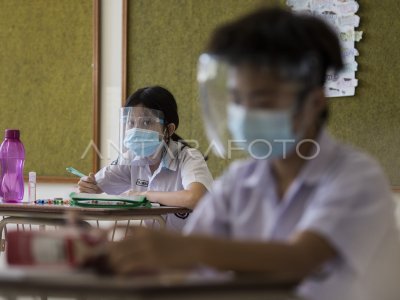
point(258, 119)
point(279, 121)
point(275, 116)
point(142, 133)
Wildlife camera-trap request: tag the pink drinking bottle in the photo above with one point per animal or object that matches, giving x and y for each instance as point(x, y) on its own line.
point(12, 157)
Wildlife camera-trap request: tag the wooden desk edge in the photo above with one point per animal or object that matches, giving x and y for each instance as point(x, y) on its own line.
point(114, 287)
point(11, 209)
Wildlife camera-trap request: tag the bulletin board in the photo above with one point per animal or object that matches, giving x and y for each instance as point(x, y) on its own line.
point(164, 39)
point(49, 83)
point(370, 120)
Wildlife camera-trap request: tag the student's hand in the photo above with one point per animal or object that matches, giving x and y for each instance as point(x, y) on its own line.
point(88, 184)
point(148, 250)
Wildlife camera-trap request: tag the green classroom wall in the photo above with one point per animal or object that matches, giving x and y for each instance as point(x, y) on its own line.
point(46, 81)
point(371, 119)
point(165, 38)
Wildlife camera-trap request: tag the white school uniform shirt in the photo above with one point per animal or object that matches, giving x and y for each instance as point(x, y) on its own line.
point(341, 195)
point(179, 167)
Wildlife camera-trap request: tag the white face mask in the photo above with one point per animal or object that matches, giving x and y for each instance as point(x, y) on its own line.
point(263, 133)
point(142, 142)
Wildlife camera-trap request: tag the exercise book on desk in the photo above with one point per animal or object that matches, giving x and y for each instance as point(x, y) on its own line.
point(108, 201)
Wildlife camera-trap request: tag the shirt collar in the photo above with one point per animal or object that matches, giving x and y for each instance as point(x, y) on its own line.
point(261, 169)
point(314, 168)
point(169, 160)
point(311, 171)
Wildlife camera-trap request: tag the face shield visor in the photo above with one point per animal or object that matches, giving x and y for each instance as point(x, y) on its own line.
point(141, 134)
point(232, 126)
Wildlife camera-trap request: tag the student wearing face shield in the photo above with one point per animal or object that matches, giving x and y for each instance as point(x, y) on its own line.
point(154, 161)
point(304, 207)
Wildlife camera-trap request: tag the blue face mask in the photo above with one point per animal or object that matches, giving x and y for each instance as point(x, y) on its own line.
point(263, 133)
point(142, 142)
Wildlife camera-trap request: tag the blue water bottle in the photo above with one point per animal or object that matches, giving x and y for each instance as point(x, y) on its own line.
point(12, 157)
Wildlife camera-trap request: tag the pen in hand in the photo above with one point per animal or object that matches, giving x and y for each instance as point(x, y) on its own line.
point(75, 172)
point(86, 184)
point(89, 185)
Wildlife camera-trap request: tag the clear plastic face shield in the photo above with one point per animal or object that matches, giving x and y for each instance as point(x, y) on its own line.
point(141, 134)
point(239, 118)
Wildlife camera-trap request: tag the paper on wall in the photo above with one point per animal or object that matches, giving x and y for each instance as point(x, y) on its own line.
point(346, 8)
point(352, 21)
point(341, 16)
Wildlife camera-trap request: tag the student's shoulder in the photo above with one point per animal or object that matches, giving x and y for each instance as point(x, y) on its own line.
point(186, 150)
point(358, 161)
point(355, 167)
point(186, 153)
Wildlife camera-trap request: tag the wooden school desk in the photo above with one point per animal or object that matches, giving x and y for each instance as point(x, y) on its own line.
point(78, 285)
point(34, 214)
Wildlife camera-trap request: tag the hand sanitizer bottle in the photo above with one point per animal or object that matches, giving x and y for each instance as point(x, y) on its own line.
point(32, 187)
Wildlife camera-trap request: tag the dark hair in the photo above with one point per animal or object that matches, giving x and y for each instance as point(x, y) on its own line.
point(157, 97)
point(281, 39)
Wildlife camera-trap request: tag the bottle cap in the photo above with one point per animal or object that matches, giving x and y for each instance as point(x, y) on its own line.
point(12, 133)
point(32, 176)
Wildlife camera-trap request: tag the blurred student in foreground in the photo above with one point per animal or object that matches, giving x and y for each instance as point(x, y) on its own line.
point(304, 207)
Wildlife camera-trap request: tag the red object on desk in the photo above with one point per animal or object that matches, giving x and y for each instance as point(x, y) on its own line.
point(63, 248)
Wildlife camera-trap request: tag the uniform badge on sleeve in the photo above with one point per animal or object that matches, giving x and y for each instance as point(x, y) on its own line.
point(142, 182)
point(182, 215)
